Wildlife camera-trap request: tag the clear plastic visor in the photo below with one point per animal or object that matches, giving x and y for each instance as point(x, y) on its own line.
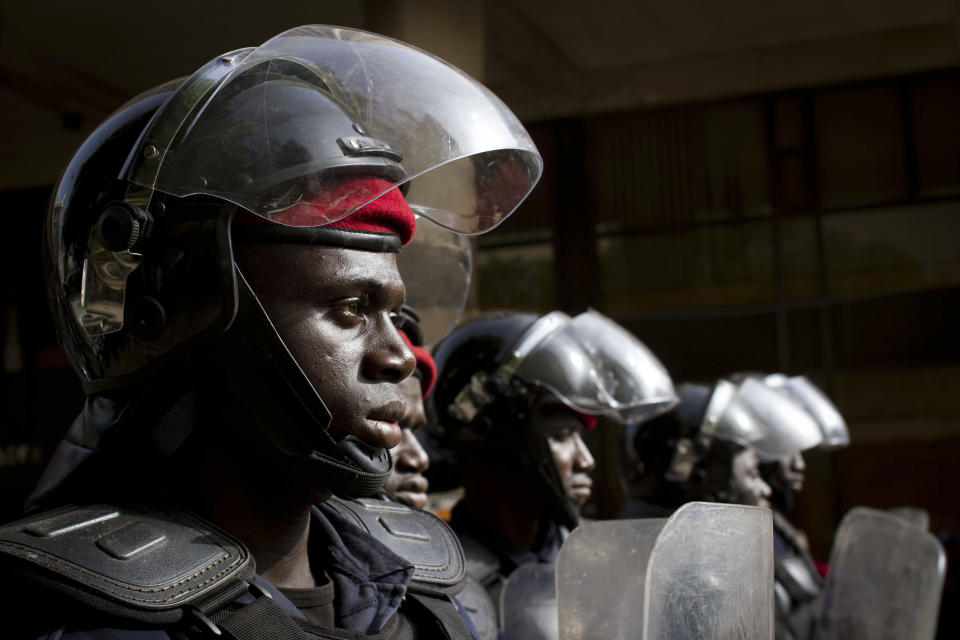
point(832, 424)
point(767, 420)
point(595, 366)
point(436, 268)
point(269, 128)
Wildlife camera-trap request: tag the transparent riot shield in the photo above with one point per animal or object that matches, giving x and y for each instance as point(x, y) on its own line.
point(885, 579)
point(528, 603)
point(706, 572)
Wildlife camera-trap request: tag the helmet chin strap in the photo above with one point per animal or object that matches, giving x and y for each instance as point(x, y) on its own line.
point(287, 410)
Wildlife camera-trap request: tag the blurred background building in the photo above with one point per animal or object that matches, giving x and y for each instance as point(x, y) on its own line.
point(758, 184)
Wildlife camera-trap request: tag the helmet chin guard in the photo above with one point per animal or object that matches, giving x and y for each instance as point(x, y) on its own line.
point(357, 470)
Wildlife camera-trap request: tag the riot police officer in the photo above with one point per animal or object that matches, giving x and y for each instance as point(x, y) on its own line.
point(712, 447)
point(799, 584)
point(786, 475)
point(221, 263)
point(709, 447)
point(514, 393)
point(408, 484)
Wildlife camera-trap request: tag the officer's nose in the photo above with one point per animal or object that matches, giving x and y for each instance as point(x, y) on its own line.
point(798, 463)
point(410, 454)
point(763, 489)
point(414, 414)
point(388, 358)
point(583, 461)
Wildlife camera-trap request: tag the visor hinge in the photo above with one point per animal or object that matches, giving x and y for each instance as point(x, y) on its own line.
point(471, 399)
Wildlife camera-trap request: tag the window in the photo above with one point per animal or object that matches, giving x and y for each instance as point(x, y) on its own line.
point(860, 151)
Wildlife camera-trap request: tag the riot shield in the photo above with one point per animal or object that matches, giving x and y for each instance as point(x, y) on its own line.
point(886, 574)
point(528, 603)
point(706, 572)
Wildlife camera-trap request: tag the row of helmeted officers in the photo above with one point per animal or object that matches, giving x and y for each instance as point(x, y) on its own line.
point(704, 547)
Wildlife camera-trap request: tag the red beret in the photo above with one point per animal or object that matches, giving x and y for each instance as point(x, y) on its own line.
point(425, 365)
point(389, 213)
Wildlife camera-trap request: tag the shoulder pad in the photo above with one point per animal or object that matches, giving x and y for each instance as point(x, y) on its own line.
point(142, 563)
point(419, 537)
point(482, 564)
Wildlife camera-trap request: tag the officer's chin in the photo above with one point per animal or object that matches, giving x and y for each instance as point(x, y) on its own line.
point(412, 499)
point(412, 490)
point(580, 489)
point(579, 495)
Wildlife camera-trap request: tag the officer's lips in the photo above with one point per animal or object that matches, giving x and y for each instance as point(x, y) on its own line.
point(412, 491)
point(580, 489)
point(383, 425)
point(794, 482)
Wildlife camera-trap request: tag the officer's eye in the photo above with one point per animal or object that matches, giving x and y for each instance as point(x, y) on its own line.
point(347, 306)
point(349, 309)
point(561, 434)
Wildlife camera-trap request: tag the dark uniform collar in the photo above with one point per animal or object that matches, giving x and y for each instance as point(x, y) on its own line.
point(369, 580)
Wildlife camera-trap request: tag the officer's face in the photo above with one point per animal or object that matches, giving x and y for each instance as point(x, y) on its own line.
point(748, 487)
point(562, 429)
point(334, 309)
point(407, 484)
point(790, 472)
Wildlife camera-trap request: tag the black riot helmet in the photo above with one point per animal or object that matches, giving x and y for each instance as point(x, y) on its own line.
point(661, 459)
point(138, 240)
point(493, 370)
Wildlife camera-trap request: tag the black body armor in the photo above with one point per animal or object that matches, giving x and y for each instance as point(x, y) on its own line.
point(159, 567)
point(798, 585)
